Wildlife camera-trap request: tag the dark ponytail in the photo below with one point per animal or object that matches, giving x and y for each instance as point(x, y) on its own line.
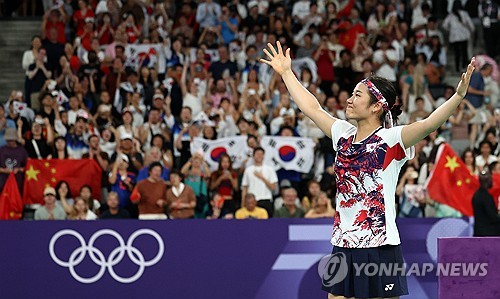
point(388, 90)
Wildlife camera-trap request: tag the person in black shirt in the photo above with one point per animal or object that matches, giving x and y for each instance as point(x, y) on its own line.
point(37, 146)
point(486, 218)
point(114, 211)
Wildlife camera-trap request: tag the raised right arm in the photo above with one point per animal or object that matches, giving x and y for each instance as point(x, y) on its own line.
point(308, 104)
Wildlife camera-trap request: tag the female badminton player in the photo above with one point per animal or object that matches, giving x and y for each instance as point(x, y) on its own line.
point(369, 158)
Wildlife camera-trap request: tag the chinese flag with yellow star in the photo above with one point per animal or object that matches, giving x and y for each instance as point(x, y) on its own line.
point(11, 205)
point(77, 173)
point(451, 183)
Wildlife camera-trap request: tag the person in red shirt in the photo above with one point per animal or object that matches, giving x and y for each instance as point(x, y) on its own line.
point(54, 19)
point(81, 15)
point(133, 31)
point(87, 34)
point(324, 59)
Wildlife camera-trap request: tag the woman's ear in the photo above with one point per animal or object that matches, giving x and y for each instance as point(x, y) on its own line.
point(376, 107)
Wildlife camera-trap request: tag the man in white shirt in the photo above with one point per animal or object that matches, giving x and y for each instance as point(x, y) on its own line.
point(260, 180)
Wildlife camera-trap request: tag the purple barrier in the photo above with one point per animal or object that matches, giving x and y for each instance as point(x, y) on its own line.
point(477, 254)
point(277, 258)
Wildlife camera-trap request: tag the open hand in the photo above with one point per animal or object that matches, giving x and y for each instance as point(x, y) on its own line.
point(463, 85)
point(278, 61)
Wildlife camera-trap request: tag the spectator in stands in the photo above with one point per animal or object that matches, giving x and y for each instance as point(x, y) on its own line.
point(279, 201)
point(250, 209)
point(29, 56)
point(151, 195)
point(460, 27)
point(224, 184)
point(4, 124)
point(122, 182)
point(38, 73)
point(322, 208)
point(208, 14)
point(63, 196)
point(460, 126)
point(469, 158)
point(155, 155)
point(50, 210)
point(419, 113)
point(114, 211)
point(260, 180)
point(486, 218)
point(12, 159)
point(485, 156)
point(55, 19)
point(181, 199)
point(40, 146)
point(196, 173)
point(289, 208)
point(310, 199)
point(81, 211)
point(476, 94)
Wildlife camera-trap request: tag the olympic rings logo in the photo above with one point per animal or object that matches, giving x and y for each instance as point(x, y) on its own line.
point(115, 257)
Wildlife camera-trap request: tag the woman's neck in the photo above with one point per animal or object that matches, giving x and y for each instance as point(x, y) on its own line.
point(365, 128)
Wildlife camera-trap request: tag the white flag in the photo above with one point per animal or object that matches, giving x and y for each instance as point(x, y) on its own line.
point(290, 153)
point(236, 147)
point(143, 55)
point(19, 107)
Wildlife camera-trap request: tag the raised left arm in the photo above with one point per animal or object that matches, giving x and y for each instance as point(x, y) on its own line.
point(413, 133)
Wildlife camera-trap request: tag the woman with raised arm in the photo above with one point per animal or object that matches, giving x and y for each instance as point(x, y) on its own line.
point(369, 158)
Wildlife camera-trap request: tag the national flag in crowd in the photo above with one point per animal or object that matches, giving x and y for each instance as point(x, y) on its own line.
point(236, 147)
point(290, 153)
point(451, 182)
point(42, 173)
point(11, 204)
point(143, 55)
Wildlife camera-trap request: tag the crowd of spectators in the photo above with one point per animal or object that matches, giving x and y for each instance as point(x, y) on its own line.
point(89, 94)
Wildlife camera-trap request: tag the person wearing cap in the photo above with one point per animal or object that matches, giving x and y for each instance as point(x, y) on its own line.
point(369, 158)
point(122, 182)
point(13, 158)
point(50, 210)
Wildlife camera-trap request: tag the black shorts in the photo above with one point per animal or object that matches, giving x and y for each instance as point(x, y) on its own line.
point(368, 272)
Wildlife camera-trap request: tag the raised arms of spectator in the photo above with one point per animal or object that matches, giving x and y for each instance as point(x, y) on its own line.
point(282, 64)
point(413, 133)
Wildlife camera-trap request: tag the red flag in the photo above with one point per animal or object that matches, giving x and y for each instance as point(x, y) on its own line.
point(451, 183)
point(42, 173)
point(11, 205)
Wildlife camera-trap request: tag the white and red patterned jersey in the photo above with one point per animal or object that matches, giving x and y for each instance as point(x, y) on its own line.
point(367, 174)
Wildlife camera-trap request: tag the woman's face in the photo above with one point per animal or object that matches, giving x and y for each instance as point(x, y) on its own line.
point(144, 72)
point(85, 193)
point(63, 188)
point(158, 142)
point(127, 118)
point(469, 158)
point(80, 206)
point(314, 189)
point(36, 43)
point(60, 145)
point(358, 104)
point(225, 163)
point(209, 132)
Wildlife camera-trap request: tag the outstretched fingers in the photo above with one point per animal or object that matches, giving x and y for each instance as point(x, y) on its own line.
point(268, 54)
point(272, 49)
point(280, 49)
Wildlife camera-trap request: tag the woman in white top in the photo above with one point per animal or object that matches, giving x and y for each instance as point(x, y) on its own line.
point(459, 25)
